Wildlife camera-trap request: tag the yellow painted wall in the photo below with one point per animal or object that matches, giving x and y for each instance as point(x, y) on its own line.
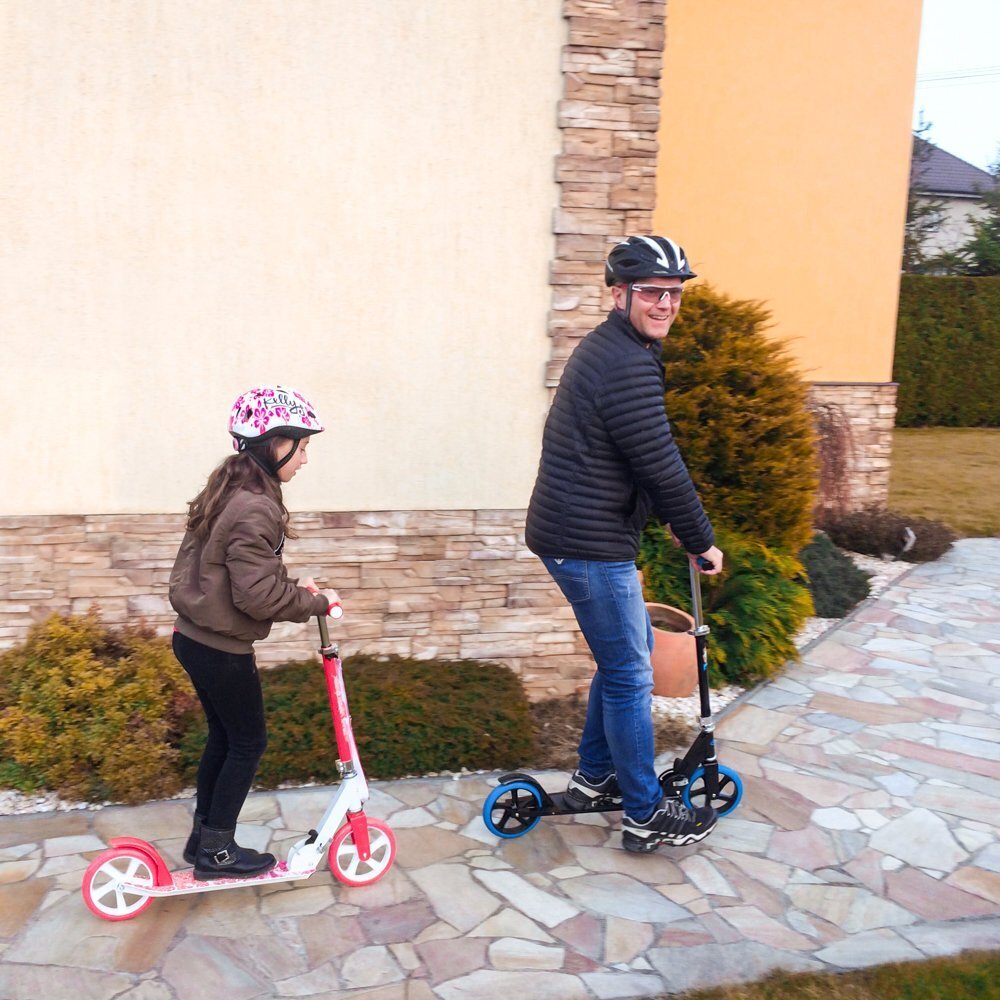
point(354, 198)
point(783, 166)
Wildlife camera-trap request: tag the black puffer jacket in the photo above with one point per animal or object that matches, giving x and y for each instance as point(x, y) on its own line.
point(608, 457)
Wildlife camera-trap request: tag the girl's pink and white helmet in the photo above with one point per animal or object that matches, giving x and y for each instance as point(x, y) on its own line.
point(268, 411)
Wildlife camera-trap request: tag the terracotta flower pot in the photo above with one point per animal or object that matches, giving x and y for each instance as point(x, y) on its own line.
point(674, 656)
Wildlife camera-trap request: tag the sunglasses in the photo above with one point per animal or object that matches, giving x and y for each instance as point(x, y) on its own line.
point(657, 293)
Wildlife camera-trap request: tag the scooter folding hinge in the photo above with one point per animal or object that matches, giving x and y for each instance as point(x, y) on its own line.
point(311, 839)
point(707, 725)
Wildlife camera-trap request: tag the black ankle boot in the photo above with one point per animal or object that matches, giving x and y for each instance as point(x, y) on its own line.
point(219, 856)
point(191, 847)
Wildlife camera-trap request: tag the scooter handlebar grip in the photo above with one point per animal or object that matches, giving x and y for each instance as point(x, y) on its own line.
point(704, 563)
point(335, 610)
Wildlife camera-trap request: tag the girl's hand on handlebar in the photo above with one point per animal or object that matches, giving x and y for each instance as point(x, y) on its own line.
point(709, 562)
point(333, 598)
point(334, 609)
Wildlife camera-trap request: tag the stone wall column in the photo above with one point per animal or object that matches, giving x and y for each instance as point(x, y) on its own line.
point(607, 168)
point(867, 413)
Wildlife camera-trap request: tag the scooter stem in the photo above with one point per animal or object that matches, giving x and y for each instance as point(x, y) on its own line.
point(696, 595)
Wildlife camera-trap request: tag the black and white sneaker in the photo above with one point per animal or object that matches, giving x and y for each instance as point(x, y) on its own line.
point(671, 823)
point(582, 793)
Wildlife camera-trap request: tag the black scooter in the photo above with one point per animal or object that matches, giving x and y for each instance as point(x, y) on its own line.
point(517, 804)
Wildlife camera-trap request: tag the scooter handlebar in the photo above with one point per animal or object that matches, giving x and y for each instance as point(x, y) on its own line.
point(335, 609)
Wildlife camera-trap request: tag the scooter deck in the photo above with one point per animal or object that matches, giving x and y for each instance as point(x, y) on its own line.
point(562, 807)
point(183, 882)
point(554, 803)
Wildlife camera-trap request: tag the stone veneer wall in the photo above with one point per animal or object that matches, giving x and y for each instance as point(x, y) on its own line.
point(418, 583)
point(450, 584)
point(869, 410)
point(607, 168)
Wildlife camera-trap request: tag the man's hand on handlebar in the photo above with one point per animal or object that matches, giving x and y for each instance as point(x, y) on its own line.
point(709, 562)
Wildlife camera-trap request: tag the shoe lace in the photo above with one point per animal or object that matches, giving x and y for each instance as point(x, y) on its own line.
point(677, 810)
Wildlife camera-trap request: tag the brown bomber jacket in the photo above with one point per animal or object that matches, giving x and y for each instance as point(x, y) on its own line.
point(228, 589)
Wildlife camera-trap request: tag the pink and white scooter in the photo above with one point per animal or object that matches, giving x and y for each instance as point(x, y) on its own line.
point(123, 880)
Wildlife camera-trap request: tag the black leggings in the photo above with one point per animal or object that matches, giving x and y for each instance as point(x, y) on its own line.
point(228, 687)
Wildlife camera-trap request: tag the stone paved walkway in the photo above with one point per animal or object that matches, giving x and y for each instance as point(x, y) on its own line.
point(868, 833)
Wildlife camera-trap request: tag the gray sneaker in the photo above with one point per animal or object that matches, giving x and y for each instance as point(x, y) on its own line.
point(582, 793)
point(671, 823)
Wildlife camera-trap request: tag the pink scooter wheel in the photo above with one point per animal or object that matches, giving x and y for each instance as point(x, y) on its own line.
point(346, 863)
point(112, 883)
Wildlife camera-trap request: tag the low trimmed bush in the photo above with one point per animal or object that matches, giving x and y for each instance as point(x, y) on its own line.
point(96, 713)
point(882, 533)
point(836, 584)
point(754, 608)
point(409, 717)
point(93, 712)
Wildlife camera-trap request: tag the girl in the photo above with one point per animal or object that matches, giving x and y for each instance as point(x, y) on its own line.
point(228, 586)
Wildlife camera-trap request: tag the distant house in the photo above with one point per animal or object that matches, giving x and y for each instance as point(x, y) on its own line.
point(954, 187)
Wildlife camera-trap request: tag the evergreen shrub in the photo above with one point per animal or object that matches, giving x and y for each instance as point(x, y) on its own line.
point(835, 583)
point(754, 608)
point(947, 359)
point(409, 717)
point(738, 411)
point(92, 712)
point(879, 532)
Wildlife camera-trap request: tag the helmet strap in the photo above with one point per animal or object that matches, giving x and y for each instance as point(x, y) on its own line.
point(626, 310)
point(291, 451)
point(261, 461)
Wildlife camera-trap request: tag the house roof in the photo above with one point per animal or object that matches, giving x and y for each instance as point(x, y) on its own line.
point(942, 173)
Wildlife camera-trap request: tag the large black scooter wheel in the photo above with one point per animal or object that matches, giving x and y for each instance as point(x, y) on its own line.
point(512, 810)
point(727, 795)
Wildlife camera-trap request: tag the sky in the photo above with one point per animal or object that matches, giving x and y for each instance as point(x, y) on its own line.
point(958, 78)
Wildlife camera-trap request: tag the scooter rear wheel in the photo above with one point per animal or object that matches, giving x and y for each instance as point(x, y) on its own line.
point(727, 795)
point(512, 810)
point(102, 888)
point(345, 859)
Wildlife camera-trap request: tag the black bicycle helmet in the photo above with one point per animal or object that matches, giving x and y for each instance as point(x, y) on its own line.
point(641, 257)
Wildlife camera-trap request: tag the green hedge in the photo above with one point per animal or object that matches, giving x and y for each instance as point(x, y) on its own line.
point(948, 352)
point(409, 717)
point(96, 712)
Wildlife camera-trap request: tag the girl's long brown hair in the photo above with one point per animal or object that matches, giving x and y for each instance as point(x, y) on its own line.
point(237, 472)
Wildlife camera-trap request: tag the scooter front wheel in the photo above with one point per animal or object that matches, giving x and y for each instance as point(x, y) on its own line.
point(345, 859)
point(112, 883)
point(512, 810)
point(727, 795)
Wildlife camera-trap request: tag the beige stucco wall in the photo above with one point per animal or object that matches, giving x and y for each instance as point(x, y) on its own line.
point(348, 196)
point(785, 151)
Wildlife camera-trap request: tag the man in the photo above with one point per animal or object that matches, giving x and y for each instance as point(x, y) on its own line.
point(609, 462)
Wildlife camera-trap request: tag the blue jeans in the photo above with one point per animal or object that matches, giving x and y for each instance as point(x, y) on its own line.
point(618, 735)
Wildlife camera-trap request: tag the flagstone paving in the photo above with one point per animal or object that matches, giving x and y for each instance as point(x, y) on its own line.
point(867, 833)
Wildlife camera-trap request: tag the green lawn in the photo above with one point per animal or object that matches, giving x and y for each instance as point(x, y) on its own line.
point(973, 975)
point(949, 474)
